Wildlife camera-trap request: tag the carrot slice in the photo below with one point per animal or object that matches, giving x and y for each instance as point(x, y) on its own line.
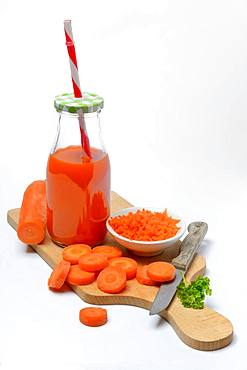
point(32, 220)
point(93, 262)
point(59, 275)
point(72, 253)
point(109, 251)
point(129, 265)
point(161, 271)
point(64, 288)
point(93, 316)
point(111, 280)
point(77, 276)
point(142, 276)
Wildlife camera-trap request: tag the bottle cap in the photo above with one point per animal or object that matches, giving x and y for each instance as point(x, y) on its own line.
point(68, 103)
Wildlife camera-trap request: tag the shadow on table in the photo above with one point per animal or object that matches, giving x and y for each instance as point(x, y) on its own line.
point(29, 249)
point(206, 247)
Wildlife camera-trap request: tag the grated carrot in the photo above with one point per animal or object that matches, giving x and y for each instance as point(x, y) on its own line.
point(145, 225)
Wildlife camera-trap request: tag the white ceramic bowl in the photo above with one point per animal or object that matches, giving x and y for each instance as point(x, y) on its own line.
point(143, 248)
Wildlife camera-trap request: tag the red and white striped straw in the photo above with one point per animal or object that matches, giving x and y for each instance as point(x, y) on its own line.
point(76, 83)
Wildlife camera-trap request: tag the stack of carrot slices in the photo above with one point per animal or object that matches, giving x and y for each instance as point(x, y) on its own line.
point(82, 265)
point(128, 265)
point(73, 252)
point(142, 276)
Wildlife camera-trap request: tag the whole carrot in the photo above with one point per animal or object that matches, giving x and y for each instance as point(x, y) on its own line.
point(32, 220)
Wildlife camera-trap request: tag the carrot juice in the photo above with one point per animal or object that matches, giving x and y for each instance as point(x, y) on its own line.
point(78, 195)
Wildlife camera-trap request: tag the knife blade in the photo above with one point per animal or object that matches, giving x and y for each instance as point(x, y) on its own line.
point(197, 231)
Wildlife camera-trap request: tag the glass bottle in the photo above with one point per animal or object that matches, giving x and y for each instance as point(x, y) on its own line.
point(78, 187)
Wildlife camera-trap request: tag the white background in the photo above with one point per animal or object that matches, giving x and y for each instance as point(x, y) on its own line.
point(174, 78)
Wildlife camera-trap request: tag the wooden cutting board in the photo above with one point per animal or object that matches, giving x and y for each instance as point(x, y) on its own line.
point(202, 329)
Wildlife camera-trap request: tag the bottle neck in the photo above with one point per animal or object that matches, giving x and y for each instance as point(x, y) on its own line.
point(70, 129)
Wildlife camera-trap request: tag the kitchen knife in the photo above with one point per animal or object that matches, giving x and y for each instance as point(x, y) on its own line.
point(190, 244)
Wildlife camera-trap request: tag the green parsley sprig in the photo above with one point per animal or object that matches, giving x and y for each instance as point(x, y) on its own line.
point(193, 295)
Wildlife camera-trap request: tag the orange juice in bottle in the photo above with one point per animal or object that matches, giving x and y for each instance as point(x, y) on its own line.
point(78, 185)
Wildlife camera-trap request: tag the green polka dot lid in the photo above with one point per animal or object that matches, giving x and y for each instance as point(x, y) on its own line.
point(68, 103)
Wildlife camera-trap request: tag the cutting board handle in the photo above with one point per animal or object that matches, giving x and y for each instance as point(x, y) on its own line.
point(202, 329)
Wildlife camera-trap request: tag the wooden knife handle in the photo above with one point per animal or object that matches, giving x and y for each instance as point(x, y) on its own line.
point(190, 244)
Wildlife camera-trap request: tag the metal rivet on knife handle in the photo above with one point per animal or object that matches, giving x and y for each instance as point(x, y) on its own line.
point(197, 231)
